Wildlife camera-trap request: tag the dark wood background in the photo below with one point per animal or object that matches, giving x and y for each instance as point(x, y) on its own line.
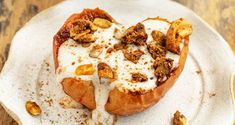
point(220, 14)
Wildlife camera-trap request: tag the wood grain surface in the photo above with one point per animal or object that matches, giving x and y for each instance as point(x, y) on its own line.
point(220, 14)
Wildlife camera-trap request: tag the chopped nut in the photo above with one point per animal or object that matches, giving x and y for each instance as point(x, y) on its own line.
point(163, 68)
point(86, 69)
point(103, 23)
point(132, 56)
point(179, 119)
point(135, 34)
point(82, 31)
point(96, 51)
point(67, 102)
point(178, 30)
point(105, 71)
point(117, 34)
point(138, 77)
point(119, 46)
point(156, 50)
point(109, 50)
point(84, 38)
point(158, 37)
point(85, 44)
point(33, 108)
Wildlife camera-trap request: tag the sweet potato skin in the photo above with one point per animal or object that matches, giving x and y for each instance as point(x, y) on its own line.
point(119, 103)
point(63, 34)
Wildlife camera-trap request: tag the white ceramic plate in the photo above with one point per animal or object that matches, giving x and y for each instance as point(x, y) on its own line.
point(201, 93)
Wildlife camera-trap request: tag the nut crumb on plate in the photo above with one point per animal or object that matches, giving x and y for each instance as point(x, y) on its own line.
point(179, 119)
point(33, 108)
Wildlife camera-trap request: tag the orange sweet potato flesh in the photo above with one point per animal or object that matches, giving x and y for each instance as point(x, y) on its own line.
point(119, 103)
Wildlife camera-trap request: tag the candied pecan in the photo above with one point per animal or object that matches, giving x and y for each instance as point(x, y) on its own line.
point(82, 31)
point(156, 50)
point(179, 119)
point(163, 68)
point(104, 70)
point(135, 34)
point(132, 56)
point(158, 37)
point(138, 77)
point(178, 30)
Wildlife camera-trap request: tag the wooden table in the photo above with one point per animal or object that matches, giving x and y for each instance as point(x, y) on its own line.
point(220, 14)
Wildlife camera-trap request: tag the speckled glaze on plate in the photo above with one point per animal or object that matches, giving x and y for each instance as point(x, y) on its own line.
point(201, 93)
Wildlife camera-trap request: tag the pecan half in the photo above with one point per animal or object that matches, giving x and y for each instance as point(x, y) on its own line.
point(178, 30)
point(179, 119)
point(104, 70)
point(132, 56)
point(138, 77)
point(163, 68)
point(135, 34)
point(86, 69)
point(156, 50)
point(158, 37)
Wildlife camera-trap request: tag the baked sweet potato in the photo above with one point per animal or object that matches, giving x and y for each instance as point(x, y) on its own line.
point(119, 102)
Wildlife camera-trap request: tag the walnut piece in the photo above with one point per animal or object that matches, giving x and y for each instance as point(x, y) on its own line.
point(104, 70)
point(138, 77)
point(179, 119)
point(102, 23)
point(135, 34)
point(85, 69)
point(132, 56)
point(179, 29)
point(96, 51)
point(156, 50)
point(33, 108)
point(163, 68)
point(82, 30)
point(158, 37)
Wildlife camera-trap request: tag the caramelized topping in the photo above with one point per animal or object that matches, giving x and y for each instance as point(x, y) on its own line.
point(82, 31)
point(138, 77)
point(96, 51)
point(158, 37)
point(178, 30)
point(104, 70)
point(156, 50)
point(179, 119)
point(33, 108)
point(163, 68)
point(102, 23)
point(86, 69)
point(132, 56)
point(135, 34)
